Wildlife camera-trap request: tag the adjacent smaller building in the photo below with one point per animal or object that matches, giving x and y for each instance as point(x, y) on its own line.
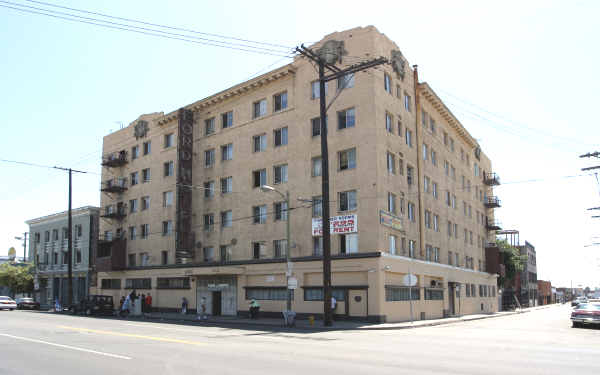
point(545, 295)
point(48, 244)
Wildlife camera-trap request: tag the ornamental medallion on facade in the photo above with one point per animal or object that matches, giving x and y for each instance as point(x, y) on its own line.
point(140, 129)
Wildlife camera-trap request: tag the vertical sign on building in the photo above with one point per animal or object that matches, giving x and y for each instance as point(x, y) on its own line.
point(185, 147)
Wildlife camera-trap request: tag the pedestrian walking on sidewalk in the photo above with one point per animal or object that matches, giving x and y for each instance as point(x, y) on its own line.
point(202, 311)
point(184, 305)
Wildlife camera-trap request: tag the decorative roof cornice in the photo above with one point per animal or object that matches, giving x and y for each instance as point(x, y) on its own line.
point(427, 92)
point(234, 91)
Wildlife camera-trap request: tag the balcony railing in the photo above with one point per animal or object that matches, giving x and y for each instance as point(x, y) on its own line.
point(115, 212)
point(114, 186)
point(492, 224)
point(115, 159)
point(491, 178)
point(491, 202)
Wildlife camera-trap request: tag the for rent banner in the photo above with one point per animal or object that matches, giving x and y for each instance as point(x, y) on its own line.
point(338, 225)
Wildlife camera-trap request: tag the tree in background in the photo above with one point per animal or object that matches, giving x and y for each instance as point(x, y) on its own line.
point(18, 278)
point(513, 262)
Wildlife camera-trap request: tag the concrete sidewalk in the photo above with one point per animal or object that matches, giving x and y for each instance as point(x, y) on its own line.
point(304, 325)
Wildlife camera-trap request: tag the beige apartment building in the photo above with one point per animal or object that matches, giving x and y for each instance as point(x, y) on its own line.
point(184, 214)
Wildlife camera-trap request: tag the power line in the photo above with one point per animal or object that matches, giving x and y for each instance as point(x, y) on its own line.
point(146, 31)
point(40, 165)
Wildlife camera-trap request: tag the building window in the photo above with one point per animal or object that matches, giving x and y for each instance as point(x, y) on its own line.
point(209, 158)
point(227, 152)
point(173, 283)
point(131, 260)
point(135, 152)
point(280, 174)
point(267, 293)
point(316, 166)
point(388, 123)
point(451, 144)
point(168, 169)
point(258, 250)
point(280, 101)
point(280, 248)
point(434, 190)
point(347, 200)
point(132, 233)
point(400, 167)
point(164, 257)
point(317, 206)
point(407, 102)
point(259, 108)
point(402, 293)
point(345, 82)
point(436, 220)
point(391, 202)
point(209, 126)
point(387, 83)
point(432, 126)
point(259, 143)
point(169, 140)
point(408, 136)
point(167, 198)
point(281, 211)
point(226, 219)
point(226, 185)
point(145, 283)
point(346, 118)
point(134, 177)
point(392, 244)
point(167, 228)
point(259, 214)
point(227, 120)
point(391, 163)
point(209, 189)
point(425, 152)
point(347, 159)
point(316, 294)
point(110, 284)
point(146, 148)
point(427, 218)
point(434, 294)
point(426, 184)
point(145, 202)
point(208, 254)
point(316, 126)
point(259, 178)
point(428, 253)
point(281, 137)
point(348, 243)
point(409, 175)
point(315, 89)
point(145, 229)
point(133, 205)
point(318, 246)
point(455, 230)
point(411, 211)
point(433, 157)
point(146, 175)
point(209, 221)
point(78, 257)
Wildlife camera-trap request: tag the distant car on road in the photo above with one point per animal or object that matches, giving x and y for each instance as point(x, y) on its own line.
point(586, 313)
point(578, 300)
point(27, 303)
point(95, 304)
point(7, 303)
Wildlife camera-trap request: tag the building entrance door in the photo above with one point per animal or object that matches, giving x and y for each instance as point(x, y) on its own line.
point(216, 303)
point(357, 301)
point(451, 294)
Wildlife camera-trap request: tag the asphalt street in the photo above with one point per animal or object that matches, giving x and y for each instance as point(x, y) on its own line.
point(537, 342)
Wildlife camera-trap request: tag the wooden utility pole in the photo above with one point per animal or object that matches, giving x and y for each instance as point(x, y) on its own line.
point(326, 57)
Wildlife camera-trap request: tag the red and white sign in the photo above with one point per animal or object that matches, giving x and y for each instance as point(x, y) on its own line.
point(338, 225)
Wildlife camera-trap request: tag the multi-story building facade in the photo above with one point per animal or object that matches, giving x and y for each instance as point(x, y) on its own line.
point(546, 293)
point(526, 284)
point(48, 244)
point(185, 214)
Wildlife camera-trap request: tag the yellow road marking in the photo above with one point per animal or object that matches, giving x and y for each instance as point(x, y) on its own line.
point(153, 338)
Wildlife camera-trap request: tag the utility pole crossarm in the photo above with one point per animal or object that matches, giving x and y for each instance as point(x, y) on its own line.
point(590, 168)
point(356, 68)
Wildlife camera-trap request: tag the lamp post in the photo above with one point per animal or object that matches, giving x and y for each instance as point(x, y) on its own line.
point(24, 238)
point(288, 272)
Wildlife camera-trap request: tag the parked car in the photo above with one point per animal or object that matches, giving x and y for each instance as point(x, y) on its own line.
point(95, 305)
point(27, 303)
point(7, 303)
point(578, 300)
point(586, 313)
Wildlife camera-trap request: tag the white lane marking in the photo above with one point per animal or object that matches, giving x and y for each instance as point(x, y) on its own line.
point(66, 346)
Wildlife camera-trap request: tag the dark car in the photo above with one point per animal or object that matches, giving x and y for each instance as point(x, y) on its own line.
point(578, 300)
point(27, 303)
point(586, 313)
point(95, 305)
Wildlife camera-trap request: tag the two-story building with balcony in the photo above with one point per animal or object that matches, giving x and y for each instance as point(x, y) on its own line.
point(48, 250)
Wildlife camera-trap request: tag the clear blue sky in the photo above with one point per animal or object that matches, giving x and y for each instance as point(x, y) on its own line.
point(521, 76)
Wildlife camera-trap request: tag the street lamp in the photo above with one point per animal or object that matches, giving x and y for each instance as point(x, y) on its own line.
point(288, 272)
point(24, 239)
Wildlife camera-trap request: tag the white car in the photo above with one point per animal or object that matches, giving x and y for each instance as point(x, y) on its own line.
point(7, 303)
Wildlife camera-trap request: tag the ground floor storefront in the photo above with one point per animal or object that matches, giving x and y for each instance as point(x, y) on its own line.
point(54, 287)
point(371, 287)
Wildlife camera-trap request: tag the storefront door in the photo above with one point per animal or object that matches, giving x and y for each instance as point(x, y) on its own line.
point(357, 300)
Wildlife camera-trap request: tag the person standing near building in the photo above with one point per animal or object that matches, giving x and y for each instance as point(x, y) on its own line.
point(143, 301)
point(184, 305)
point(148, 303)
point(254, 307)
point(333, 306)
point(203, 315)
